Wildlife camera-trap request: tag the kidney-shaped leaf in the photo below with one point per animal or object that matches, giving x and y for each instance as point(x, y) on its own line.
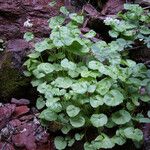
point(72, 110)
point(98, 120)
point(104, 86)
point(121, 117)
point(60, 143)
point(77, 122)
point(113, 98)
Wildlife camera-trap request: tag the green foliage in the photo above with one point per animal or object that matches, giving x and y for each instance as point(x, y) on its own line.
point(28, 36)
point(132, 25)
point(85, 84)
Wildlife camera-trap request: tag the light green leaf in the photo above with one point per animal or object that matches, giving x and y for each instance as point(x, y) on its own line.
point(65, 63)
point(121, 117)
point(98, 120)
point(86, 73)
point(148, 113)
point(145, 30)
point(77, 122)
point(103, 141)
point(64, 10)
point(91, 88)
point(60, 143)
point(113, 98)
point(52, 4)
point(48, 115)
point(62, 82)
point(145, 98)
point(28, 36)
point(78, 136)
point(40, 103)
point(45, 68)
point(80, 87)
point(75, 17)
point(56, 107)
point(88, 146)
point(34, 55)
point(73, 73)
point(42, 88)
point(66, 129)
point(144, 120)
point(134, 134)
point(113, 33)
point(110, 123)
point(71, 142)
point(118, 140)
point(94, 65)
point(56, 21)
point(72, 110)
point(44, 45)
point(96, 101)
point(90, 34)
point(52, 101)
point(103, 86)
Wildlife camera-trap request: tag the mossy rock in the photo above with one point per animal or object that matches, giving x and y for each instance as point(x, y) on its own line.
point(12, 81)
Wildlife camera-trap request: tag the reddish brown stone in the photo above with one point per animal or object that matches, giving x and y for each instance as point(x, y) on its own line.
point(5, 113)
point(25, 138)
point(6, 146)
point(20, 101)
point(112, 7)
point(15, 122)
point(20, 110)
point(15, 13)
point(27, 117)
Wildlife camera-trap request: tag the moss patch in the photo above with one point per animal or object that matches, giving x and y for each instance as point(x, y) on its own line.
point(12, 83)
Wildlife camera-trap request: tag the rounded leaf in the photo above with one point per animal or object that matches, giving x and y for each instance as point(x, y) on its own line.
point(72, 110)
point(60, 143)
point(65, 63)
point(103, 141)
point(80, 87)
point(96, 101)
point(77, 122)
point(28, 36)
point(134, 134)
point(40, 103)
point(104, 86)
point(98, 120)
point(121, 117)
point(48, 115)
point(113, 98)
point(62, 82)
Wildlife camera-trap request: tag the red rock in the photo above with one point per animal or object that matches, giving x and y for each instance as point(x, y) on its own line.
point(6, 146)
point(38, 11)
point(27, 117)
point(42, 137)
point(20, 110)
point(25, 138)
point(5, 113)
point(112, 7)
point(15, 123)
point(20, 101)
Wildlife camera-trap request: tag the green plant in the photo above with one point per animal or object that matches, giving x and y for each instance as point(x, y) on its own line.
point(83, 84)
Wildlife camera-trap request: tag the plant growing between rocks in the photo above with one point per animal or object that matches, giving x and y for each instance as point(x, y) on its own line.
point(83, 84)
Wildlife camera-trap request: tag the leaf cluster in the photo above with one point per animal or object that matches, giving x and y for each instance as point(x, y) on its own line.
point(83, 84)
